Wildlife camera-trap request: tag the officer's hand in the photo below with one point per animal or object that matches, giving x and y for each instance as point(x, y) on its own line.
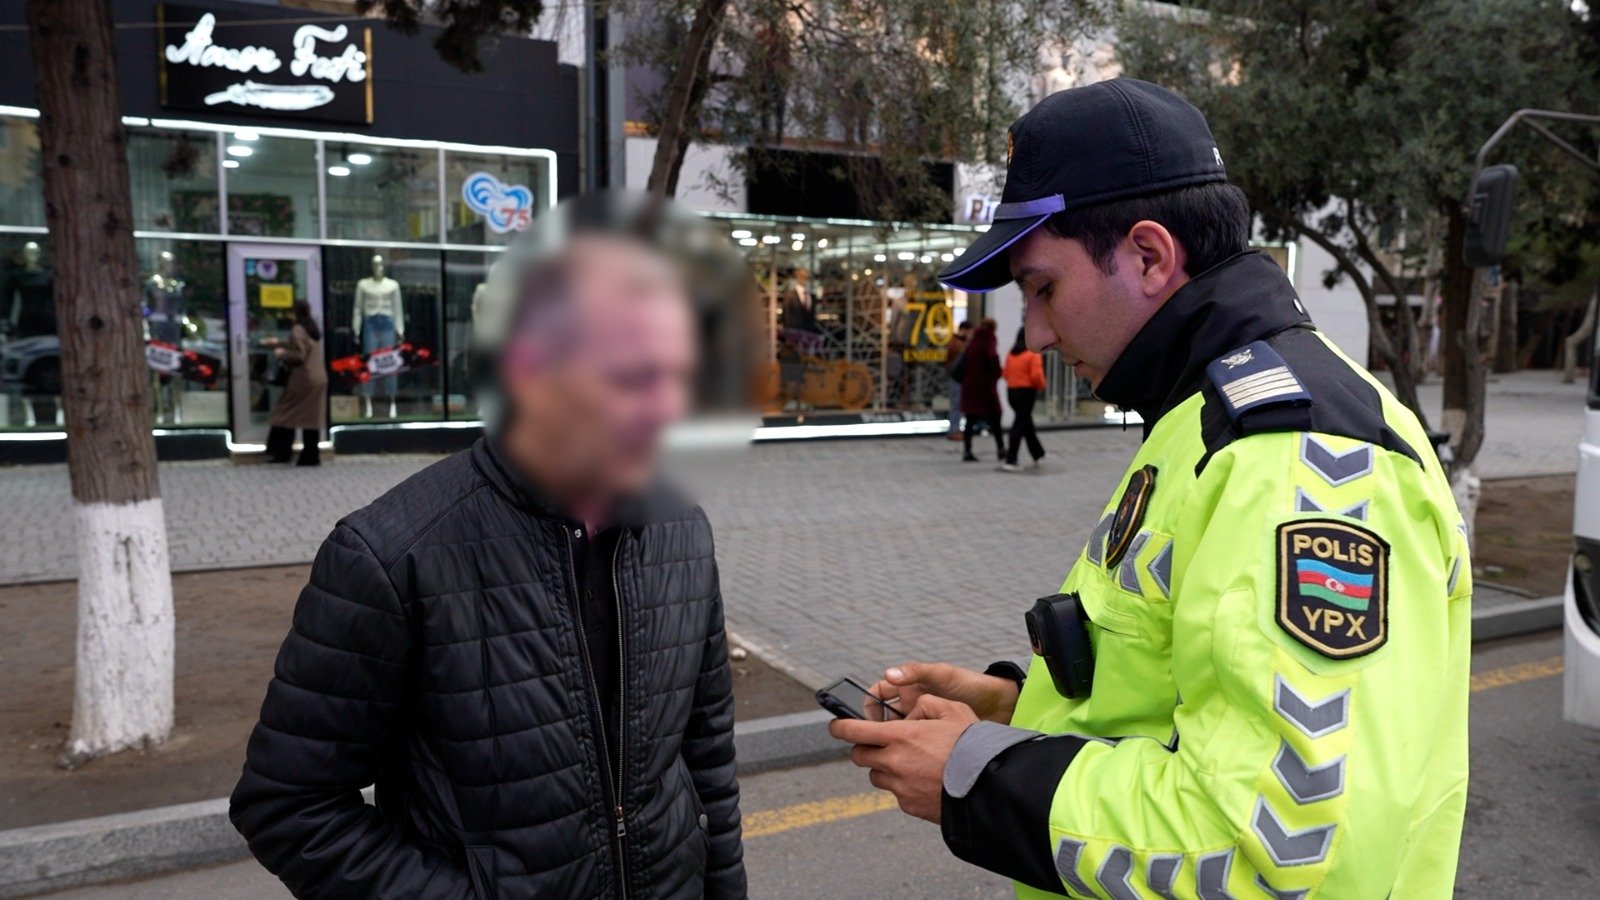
point(989, 697)
point(907, 757)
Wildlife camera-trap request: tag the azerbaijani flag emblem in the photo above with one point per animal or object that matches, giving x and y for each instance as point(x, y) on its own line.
point(1342, 588)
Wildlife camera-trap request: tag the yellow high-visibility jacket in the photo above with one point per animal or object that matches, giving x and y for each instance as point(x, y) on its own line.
point(1281, 637)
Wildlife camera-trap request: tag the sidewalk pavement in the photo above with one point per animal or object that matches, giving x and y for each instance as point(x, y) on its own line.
point(837, 557)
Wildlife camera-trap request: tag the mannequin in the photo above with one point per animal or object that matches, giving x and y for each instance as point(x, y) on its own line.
point(380, 322)
point(30, 307)
point(165, 299)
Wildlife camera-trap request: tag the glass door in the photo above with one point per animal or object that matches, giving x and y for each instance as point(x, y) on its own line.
point(264, 283)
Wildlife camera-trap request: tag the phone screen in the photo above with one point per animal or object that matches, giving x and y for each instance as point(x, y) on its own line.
point(850, 698)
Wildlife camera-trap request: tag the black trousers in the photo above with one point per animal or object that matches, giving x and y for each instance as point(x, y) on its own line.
point(973, 424)
point(1022, 400)
point(280, 445)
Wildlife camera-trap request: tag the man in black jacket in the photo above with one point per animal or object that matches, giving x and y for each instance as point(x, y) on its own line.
point(521, 646)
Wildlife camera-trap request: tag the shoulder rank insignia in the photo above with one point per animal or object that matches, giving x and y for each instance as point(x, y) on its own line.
point(1333, 586)
point(1254, 376)
point(1130, 512)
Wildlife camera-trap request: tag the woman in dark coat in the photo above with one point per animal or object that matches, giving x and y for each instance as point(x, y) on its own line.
point(980, 398)
point(305, 397)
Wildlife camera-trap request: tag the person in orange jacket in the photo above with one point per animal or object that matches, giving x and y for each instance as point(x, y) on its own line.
point(1024, 375)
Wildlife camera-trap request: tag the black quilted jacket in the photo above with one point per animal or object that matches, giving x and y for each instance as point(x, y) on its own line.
point(435, 653)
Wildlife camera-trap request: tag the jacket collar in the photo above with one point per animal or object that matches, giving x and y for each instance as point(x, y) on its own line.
point(1244, 298)
point(655, 504)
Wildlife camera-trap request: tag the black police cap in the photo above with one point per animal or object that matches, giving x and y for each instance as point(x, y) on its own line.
point(1083, 147)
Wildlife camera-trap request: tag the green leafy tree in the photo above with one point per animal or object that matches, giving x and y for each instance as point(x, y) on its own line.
point(889, 85)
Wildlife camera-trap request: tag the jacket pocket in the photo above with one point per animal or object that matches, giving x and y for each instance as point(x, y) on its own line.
point(480, 868)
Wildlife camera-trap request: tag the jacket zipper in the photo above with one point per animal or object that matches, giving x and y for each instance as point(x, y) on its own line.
point(622, 714)
point(600, 714)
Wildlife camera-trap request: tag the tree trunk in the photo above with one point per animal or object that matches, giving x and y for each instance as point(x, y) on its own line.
point(682, 107)
point(1505, 329)
point(1574, 342)
point(123, 693)
point(1404, 368)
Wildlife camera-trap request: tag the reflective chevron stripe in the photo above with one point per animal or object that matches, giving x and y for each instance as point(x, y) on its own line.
point(1162, 874)
point(1115, 874)
point(1067, 854)
point(1313, 719)
point(1289, 848)
point(1335, 468)
point(1211, 875)
point(1305, 783)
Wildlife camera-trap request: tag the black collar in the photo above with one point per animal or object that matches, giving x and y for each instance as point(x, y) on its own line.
point(655, 504)
point(1244, 298)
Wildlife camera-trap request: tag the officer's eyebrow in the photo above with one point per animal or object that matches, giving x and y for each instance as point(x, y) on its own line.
point(1021, 275)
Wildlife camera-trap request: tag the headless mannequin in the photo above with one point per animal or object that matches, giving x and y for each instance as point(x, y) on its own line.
point(379, 323)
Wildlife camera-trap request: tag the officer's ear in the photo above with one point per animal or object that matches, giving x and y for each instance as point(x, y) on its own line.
point(1159, 258)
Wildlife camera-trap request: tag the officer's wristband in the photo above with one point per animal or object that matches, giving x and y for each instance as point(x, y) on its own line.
point(1008, 670)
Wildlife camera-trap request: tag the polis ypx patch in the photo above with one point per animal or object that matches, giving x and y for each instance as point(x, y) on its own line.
point(1333, 587)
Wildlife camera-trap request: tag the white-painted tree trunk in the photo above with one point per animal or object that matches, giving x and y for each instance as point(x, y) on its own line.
point(123, 693)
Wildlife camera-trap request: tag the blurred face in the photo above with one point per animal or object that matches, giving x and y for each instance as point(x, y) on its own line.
point(596, 381)
point(1084, 314)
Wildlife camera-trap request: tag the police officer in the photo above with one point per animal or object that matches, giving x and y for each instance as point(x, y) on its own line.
point(1253, 682)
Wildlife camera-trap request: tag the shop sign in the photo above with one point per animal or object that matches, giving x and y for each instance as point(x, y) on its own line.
point(301, 71)
point(504, 207)
point(277, 296)
point(931, 329)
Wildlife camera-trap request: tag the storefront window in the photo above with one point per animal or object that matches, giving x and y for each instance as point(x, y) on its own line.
point(465, 277)
point(30, 354)
point(385, 334)
point(382, 193)
point(854, 319)
point(492, 199)
point(185, 327)
point(174, 179)
point(272, 185)
point(21, 188)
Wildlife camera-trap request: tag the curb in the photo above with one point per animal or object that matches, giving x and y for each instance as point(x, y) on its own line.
point(1516, 619)
point(72, 854)
point(171, 838)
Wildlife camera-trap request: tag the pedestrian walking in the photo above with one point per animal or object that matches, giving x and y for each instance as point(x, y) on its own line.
point(952, 367)
point(1254, 679)
point(521, 646)
point(304, 401)
point(1024, 375)
point(980, 392)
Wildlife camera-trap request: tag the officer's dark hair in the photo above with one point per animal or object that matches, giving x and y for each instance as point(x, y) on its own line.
point(1211, 221)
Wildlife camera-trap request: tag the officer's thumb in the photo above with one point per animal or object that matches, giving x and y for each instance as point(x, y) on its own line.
point(925, 674)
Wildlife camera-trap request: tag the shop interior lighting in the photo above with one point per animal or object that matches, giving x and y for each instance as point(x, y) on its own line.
point(230, 164)
point(338, 171)
point(246, 136)
point(740, 234)
point(360, 159)
point(822, 243)
point(926, 259)
point(797, 246)
point(747, 241)
point(797, 236)
point(879, 257)
point(907, 255)
point(867, 272)
point(240, 150)
point(946, 257)
point(769, 239)
point(960, 250)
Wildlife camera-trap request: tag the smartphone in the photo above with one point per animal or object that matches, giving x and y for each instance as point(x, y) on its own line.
point(848, 698)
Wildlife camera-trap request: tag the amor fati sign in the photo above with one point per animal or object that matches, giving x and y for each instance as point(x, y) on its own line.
point(298, 70)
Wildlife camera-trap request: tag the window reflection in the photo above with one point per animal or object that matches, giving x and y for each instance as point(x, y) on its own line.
point(502, 195)
point(272, 185)
point(30, 354)
point(382, 193)
point(173, 175)
point(21, 188)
